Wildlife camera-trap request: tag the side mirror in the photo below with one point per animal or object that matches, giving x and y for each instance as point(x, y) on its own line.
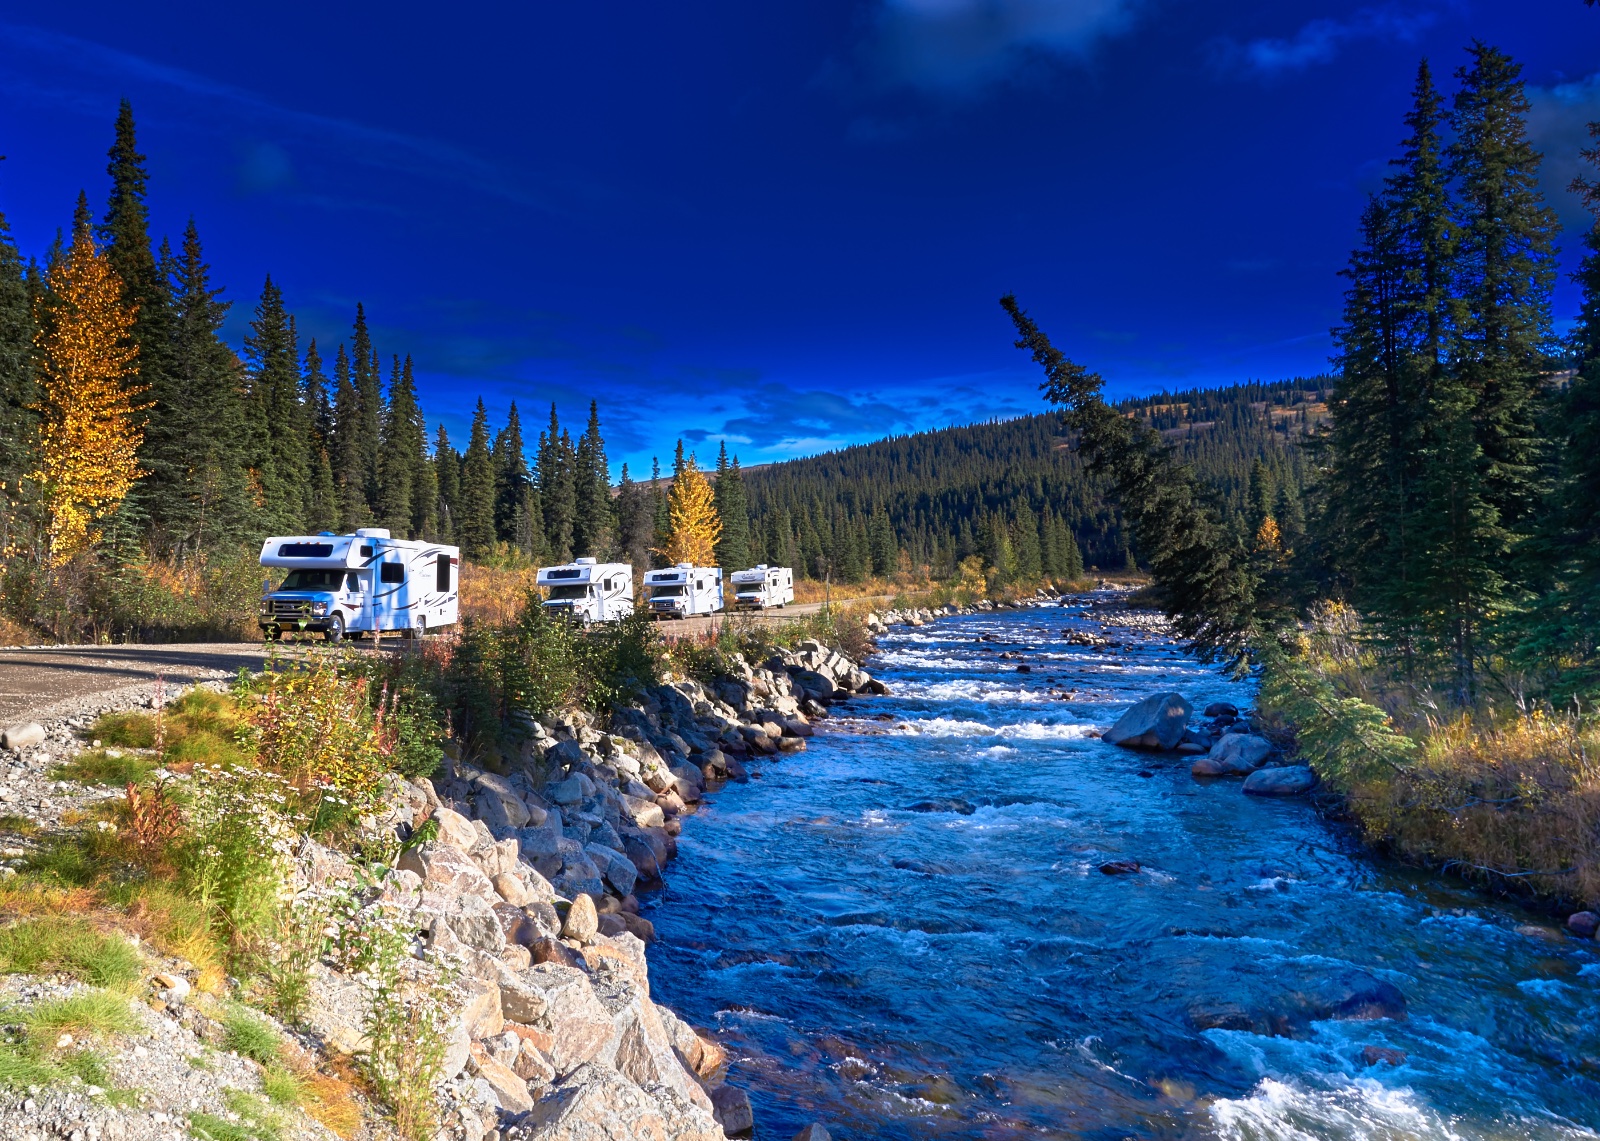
point(266, 586)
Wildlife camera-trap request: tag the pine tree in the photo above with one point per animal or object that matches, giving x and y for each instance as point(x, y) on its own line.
point(592, 515)
point(400, 448)
point(1025, 538)
point(733, 548)
point(365, 376)
point(322, 499)
point(692, 507)
point(884, 551)
point(347, 452)
point(315, 397)
point(125, 237)
point(447, 476)
point(475, 517)
point(18, 388)
point(557, 495)
point(660, 517)
point(511, 476)
point(280, 427)
point(89, 430)
point(635, 527)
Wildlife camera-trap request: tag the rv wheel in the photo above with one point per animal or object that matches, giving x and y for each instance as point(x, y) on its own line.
point(335, 630)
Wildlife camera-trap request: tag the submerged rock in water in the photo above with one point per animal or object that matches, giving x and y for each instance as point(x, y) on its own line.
point(944, 804)
point(1345, 996)
point(1583, 924)
point(1290, 780)
point(1237, 754)
point(1157, 722)
point(1120, 867)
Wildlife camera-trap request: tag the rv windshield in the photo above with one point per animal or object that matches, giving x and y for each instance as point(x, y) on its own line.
point(568, 592)
point(673, 591)
point(313, 580)
point(744, 587)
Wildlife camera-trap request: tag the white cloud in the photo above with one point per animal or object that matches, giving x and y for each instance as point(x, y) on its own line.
point(1558, 124)
point(955, 46)
point(1319, 41)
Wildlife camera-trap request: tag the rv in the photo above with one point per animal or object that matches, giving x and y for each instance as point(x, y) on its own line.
point(683, 590)
point(762, 586)
point(365, 583)
point(588, 591)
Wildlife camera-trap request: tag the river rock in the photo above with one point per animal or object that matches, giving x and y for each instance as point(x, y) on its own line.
point(1222, 709)
point(1349, 995)
point(455, 829)
point(20, 737)
point(1288, 780)
point(1583, 924)
point(733, 1111)
point(1237, 754)
point(447, 869)
point(510, 1090)
point(582, 920)
point(595, 1103)
point(944, 804)
point(1157, 722)
point(812, 1132)
point(1120, 867)
point(1374, 1055)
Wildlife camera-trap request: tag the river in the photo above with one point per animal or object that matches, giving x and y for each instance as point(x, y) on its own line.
point(900, 973)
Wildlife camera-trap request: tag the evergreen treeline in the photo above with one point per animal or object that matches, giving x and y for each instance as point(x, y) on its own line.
point(1454, 499)
point(1016, 495)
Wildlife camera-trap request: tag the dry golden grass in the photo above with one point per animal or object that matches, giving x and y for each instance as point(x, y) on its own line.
point(810, 590)
point(1516, 805)
point(15, 634)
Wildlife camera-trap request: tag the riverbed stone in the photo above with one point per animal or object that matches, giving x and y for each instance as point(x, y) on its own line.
point(1287, 780)
point(1157, 722)
point(448, 870)
point(1222, 709)
point(1237, 754)
point(1583, 924)
point(813, 1132)
point(455, 829)
point(733, 1110)
point(24, 736)
point(944, 804)
point(582, 920)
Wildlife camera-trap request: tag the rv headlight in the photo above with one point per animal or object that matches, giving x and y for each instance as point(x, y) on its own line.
point(319, 608)
point(266, 606)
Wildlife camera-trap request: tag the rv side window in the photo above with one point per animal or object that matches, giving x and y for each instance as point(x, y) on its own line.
point(391, 572)
point(367, 550)
point(352, 582)
point(444, 573)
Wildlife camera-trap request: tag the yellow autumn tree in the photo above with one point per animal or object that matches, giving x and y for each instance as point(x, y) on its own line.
point(89, 429)
point(692, 514)
point(1268, 539)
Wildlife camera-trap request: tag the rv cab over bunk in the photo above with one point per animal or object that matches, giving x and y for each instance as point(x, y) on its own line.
point(365, 583)
point(588, 591)
point(683, 591)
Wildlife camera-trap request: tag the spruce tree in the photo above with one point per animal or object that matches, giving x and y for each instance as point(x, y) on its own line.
point(400, 453)
point(475, 518)
point(447, 477)
point(557, 495)
point(316, 398)
point(885, 552)
point(18, 390)
point(196, 444)
point(125, 236)
point(1025, 540)
point(660, 516)
point(424, 478)
point(367, 441)
point(347, 452)
point(280, 427)
point(733, 548)
point(511, 477)
point(591, 522)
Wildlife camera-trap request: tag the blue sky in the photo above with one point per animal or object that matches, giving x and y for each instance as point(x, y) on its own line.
point(780, 224)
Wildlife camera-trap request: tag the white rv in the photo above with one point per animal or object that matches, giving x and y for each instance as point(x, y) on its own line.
point(683, 590)
point(588, 591)
point(762, 586)
point(359, 584)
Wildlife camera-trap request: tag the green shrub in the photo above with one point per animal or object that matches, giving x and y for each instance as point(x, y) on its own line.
point(127, 730)
point(250, 1036)
point(68, 945)
point(92, 1012)
point(283, 1086)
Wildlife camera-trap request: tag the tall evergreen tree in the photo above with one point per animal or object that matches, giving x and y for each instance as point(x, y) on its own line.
point(884, 551)
point(401, 453)
point(475, 517)
point(635, 525)
point(511, 475)
point(279, 426)
point(203, 491)
point(447, 477)
point(348, 451)
point(125, 237)
point(659, 514)
point(365, 376)
point(591, 519)
point(18, 389)
point(733, 548)
point(316, 397)
point(557, 495)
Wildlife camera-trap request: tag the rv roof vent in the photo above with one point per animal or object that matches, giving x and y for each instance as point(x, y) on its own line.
point(329, 534)
point(761, 566)
point(372, 532)
point(685, 566)
point(584, 562)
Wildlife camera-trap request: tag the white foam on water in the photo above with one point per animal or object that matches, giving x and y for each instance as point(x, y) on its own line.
point(1363, 1110)
point(1021, 731)
point(1544, 988)
point(974, 690)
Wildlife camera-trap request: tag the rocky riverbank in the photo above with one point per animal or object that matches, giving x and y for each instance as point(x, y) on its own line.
point(524, 873)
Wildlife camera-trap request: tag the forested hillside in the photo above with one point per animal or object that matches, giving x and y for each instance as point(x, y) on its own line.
point(1015, 492)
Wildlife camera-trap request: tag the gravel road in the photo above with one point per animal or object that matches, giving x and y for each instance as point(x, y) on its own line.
point(34, 681)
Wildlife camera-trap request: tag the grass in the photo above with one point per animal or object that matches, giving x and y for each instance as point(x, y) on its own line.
point(18, 825)
point(69, 945)
point(257, 1120)
point(102, 766)
point(124, 730)
point(31, 1057)
point(250, 1036)
point(92, 1012)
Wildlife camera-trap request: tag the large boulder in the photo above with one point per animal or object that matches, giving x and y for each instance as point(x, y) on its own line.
point(596, 1103)
point(578, 1025)
point(446, 869)
point(455, 829)
point(1237, 754)
point(1288, 780)
point(1157, 722)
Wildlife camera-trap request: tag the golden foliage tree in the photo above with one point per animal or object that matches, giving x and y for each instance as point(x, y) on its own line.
point(692, 513)
point(89, 429)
